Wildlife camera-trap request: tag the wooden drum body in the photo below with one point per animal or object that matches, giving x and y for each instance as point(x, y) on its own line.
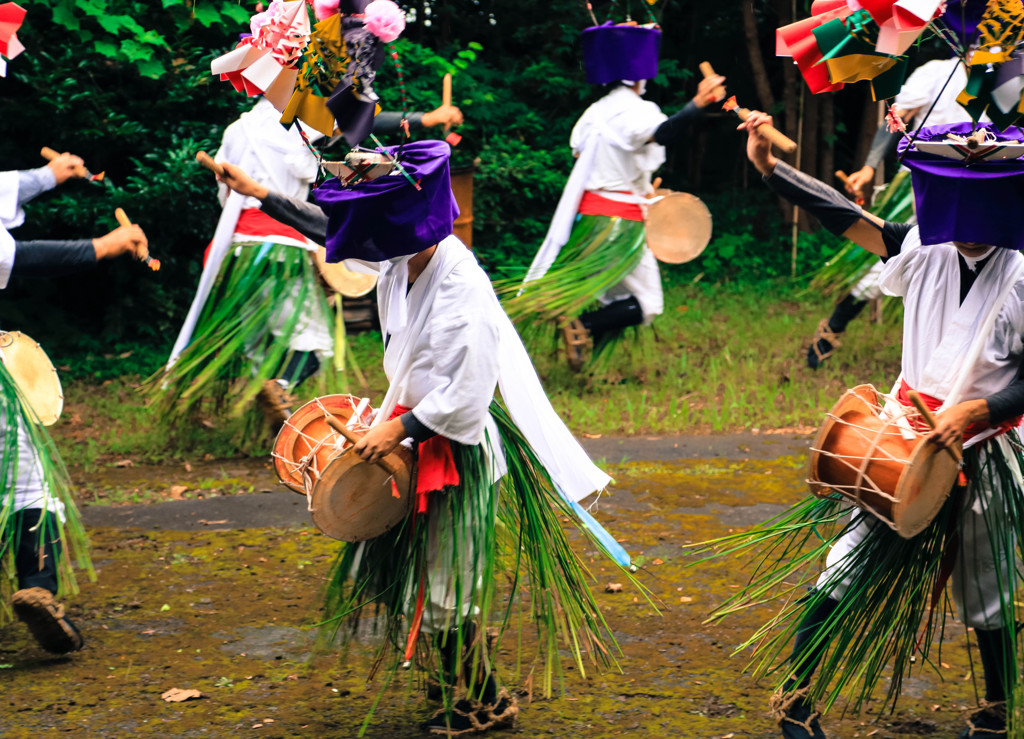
point(879, 464)
point(307, 442)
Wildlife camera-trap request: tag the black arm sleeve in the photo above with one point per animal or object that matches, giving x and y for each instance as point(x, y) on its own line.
point(678, 124)
point(882, 145)
point(825, 203)
point(52, 258)
point(415, 428)
point(306, 218)
point(390, 121)
point(1009, 401)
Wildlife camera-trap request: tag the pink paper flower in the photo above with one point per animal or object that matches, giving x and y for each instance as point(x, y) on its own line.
point(385, 20)
point(324, 9)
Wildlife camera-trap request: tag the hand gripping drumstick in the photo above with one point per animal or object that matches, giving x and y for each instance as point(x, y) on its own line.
point(124, 220)
point(929, 418)
point(351, 436)
point(708, 71)
point(770, 132)
point(207, 161)
point(50, 154)
point(844, 178)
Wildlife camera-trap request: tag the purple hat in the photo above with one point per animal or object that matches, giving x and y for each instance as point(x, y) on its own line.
point(388, 217)
point(612, 53)
point(968, 191)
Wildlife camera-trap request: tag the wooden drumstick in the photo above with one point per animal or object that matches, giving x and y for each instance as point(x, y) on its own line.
point(845, 179)
point(50, 154)
point(351, 436)
point(770, 132)
point(708, 71)
point(207, 161)
point(124, 220)
point(446, 97)
point(929, 418)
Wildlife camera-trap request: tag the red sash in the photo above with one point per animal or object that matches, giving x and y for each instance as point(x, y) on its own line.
point(254, 222)
point(903, 396)
point(598, 205)
point(435, 465)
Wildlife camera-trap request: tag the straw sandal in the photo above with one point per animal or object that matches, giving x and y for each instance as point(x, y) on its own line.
point(986, 721)
point(473, 717)
point(577, 341)
point(795, 716)
point(44, 617)
point(823, 345)
point(275, 402)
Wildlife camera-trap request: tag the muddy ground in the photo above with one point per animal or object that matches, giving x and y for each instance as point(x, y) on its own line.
point(217, 591)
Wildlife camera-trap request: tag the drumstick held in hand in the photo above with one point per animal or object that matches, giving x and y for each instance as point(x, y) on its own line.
point(446, 97)
point(207, 161)
point(124, 220)
point(351, 436)
point(771, 133)
point(708, 71)
point(845, 179)
point(50, 154)
point(929, 418)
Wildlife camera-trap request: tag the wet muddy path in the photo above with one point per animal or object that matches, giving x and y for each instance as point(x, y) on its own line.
point(217, 594)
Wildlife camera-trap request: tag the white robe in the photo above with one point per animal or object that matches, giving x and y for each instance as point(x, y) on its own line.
point(277, 158)
point(450, 344)
point(616, 158)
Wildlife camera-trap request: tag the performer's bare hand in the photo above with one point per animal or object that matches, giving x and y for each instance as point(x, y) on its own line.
point(66, 166)
point(759, 148)
point(446, 115)
point(381, 440)
point(124, 239)
point(708, 92)
point(860, 181)
point(236, 178)
point(951, 423)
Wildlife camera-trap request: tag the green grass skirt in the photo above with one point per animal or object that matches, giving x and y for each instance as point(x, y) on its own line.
point(74, 549)
point(525, 569)
point(600, 252)
point(885, 620)
point(233, 350)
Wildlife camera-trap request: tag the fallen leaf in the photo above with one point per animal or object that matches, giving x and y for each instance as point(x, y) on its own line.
point(658, 562)
point(177, 695)
point(204, 522)
point(188, 466)
point(613, 587)
point(591, 436)
point(124, 355)
point(124, 463)
point(210, 425)
point(685, 599)
point(257, 726)
point(177, 491)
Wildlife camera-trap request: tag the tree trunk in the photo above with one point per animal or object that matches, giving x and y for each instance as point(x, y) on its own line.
point(809, 160)
point(764, 89)
point(828, 138)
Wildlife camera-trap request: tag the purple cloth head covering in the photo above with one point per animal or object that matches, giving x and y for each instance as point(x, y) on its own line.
point(962, 18)
point(388, 217)
point(969, 201)
point(612, 53)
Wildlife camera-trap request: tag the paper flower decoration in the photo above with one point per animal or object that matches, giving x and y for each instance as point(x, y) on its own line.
point(385, 20)
point(324, 9)
point(267, 63)
point(11, 18)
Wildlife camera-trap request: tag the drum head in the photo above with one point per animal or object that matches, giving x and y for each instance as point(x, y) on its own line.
point(923, 489)
point(355, 500)
point(678, 227)
point(304, 430)
point(34, 374)
point(343, 280)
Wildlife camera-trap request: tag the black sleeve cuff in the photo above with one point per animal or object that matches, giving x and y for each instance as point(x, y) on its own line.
point(1008, 402)
point(677, 124)
point(389, 122)
point(306, 218)
point(52, 258)
point(882, 145)
point(415, 428)
point(828, 205)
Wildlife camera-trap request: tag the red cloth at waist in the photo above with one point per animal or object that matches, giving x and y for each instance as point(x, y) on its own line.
point(254, 222)
point(435, 465)
point(932, 403)
point(598, 205)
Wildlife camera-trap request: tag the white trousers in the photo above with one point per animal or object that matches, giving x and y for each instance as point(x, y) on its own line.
point(643, 283)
